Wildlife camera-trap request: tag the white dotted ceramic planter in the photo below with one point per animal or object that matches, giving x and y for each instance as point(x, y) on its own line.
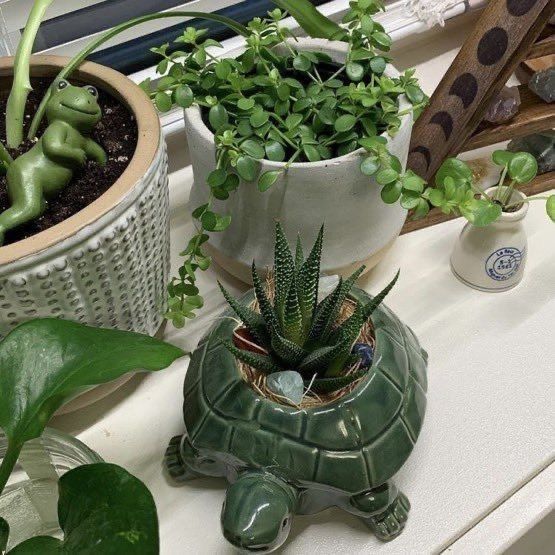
point(359, 226)
point(493, 258)
point(108, 264)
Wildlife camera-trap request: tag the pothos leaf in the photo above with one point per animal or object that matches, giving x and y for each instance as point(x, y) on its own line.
point(102, 509)
point(45, 545)
point(4, 534)
point(44, 362)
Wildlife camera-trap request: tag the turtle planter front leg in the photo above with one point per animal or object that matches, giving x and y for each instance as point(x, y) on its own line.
point(185, 463)
point(384, 510)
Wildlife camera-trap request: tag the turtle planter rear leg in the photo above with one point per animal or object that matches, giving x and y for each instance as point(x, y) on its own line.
point(384, 510)
point(185, 463)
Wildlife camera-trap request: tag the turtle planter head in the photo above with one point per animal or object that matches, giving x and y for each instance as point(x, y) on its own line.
point(257, 512)
point(283, 460)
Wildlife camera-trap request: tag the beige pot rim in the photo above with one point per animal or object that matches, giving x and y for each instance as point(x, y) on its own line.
point(148, 123)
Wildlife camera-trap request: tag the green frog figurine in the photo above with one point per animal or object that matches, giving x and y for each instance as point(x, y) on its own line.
point(48, 167)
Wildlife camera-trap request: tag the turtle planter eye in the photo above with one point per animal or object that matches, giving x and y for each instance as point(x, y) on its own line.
point(281, 459)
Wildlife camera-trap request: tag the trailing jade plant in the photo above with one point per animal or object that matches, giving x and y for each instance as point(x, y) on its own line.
point(295, 331)
point(278, 102)
point(101, 509)
point(456, 191)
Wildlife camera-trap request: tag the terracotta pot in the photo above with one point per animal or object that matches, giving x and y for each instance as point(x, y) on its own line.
point(359, 226)
point(108, 264)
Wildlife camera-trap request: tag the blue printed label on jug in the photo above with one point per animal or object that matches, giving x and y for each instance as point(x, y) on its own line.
point(504, 263)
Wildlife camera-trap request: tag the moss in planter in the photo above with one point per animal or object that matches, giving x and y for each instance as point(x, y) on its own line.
point(117, 133)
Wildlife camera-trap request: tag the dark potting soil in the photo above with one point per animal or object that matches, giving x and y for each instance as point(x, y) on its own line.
point(116, 133)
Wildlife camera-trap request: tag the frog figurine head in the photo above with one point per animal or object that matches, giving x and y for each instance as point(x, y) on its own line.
point(77, 106)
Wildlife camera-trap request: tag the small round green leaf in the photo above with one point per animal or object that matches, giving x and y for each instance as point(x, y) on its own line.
point(345, 123)
point(523, 167)
point(550, 207)
point(245, 103)
point(502, 157)
point(377, 64)
point(267, 179)
point(370, 165)
point(414, 94)
point(283, 91)
point(387, 176)
point(218, 116)
point(246, 168)
point(217, 177)
point(275, 151)
point(301, 63)
point(392, 192)
point(253, 148)
point(259, 118)
point(354, 71)
point(184, 96)
point(223, 69)
point(163, 101)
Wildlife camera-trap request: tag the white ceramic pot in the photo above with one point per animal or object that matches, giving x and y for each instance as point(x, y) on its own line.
point(359, 226)
point(493, 258)
point(108, 264)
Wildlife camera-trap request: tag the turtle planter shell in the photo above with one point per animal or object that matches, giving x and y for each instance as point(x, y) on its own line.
point(330, 455)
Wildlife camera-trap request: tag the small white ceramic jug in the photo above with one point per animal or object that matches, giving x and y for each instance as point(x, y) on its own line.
point(493, 258)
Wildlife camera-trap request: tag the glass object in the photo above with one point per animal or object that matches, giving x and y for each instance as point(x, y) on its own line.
point(29, 501)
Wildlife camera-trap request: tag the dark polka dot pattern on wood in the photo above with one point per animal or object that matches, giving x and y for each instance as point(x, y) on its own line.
point(492, 46)
point(520, 7)
point(444, 120)
point(425, 152)
point(465, 87)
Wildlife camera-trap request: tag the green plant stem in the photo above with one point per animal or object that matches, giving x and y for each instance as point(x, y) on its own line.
point(15, 110)
point(500, 184)
point(5, 156)
point(8, 464)
point(96, 43)
point(509, 193)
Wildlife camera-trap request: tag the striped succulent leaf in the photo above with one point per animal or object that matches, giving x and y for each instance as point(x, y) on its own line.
point(284, 270)
point(328, 317)
point(308, 278)
point(379, 298)
point(346, 335)
point(252, 320)
point(288, 351)
point(266, 308)
point(299, 254)
point(264, 363)
point(322, 314)
point(317, 361)
point(292, 324)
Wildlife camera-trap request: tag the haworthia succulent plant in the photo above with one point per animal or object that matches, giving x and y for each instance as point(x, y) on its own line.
point(298, 332)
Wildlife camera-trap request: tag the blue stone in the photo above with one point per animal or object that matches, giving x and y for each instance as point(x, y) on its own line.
point(365, 352)
point(288, 384)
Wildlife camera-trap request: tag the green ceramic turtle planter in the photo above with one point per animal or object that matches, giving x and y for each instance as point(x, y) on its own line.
point(282, 460)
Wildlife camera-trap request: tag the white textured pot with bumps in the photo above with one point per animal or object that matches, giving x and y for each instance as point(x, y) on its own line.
point(359, 226)
point(108, 264)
